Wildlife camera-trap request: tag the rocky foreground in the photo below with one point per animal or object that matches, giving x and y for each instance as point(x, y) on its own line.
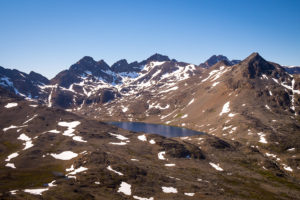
point(49, 153)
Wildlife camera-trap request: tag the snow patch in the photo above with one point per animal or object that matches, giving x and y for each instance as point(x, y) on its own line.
point(11, 165)
point(214, 84)
point(189, 194)
point(11, 156)
point(28, 142)
point(70, 169)
point(39, 191)
point(13, 192)
point(262, 138)
point(66, 155)
point(78, 170)
point(291, 149)
point(231, 114)
point(71, 127)
point(161, 155)
point(225, 108)
point(170, 165)
point(169, 189)
point(267, 107)
point(78, 139)
point(152, 141)
point(124, 109)
point(54, 131)
point(192, 101)
point(142, 138)
point(287, 168)
point(184, 116)
point(12, 127)
point(271, 94)
point(11, 105)
point(125, 188)
point(36, 191)
point(118, 136)
point(142, 198)
point(118, 143)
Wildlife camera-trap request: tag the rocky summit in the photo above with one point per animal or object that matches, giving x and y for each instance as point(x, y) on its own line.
point(56, 142)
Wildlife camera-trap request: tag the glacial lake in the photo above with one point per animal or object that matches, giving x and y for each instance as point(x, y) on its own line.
point(167, 131)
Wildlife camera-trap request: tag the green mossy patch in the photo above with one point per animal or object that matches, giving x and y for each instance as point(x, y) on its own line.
point(23, 178)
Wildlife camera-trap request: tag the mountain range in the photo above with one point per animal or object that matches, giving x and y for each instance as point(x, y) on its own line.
point(248, 109)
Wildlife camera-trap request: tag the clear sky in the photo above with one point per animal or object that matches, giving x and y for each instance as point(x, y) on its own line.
point(48, 36)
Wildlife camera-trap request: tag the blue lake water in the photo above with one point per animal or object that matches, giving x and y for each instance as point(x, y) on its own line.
point(167, 131)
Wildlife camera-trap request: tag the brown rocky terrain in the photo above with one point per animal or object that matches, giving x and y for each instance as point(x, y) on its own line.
point(103, 157)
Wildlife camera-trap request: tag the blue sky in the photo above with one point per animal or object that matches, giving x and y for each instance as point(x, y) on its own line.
point(48, 36)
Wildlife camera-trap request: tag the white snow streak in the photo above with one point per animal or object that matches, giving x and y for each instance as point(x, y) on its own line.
point(11, 156)
point(111, 169)
point(118, 136)
point(189, 194)
point(216, 166)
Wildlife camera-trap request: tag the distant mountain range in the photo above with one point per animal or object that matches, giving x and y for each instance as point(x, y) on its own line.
point(87, 77)
point(292, 69)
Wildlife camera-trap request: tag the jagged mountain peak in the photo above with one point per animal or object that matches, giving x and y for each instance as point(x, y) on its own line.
point(254, 57)
point(103, 63)
point(158, 57)
point(20, 83)
point(86, 66)
point(38, 77)
point(218, 57)
point(87, 63)
point(257, 65)
point(119, 63)
point(215, 59)
point(86, 59)
point(123, 66)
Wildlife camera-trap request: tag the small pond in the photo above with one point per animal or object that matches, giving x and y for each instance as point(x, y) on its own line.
point(167, 131)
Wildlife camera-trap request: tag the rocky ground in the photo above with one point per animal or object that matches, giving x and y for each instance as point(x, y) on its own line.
point(48, 153)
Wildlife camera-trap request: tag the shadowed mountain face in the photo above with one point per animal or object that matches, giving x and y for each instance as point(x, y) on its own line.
point(84, 68)
point(249, 112)
point(215, 59)
point(26, 85)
